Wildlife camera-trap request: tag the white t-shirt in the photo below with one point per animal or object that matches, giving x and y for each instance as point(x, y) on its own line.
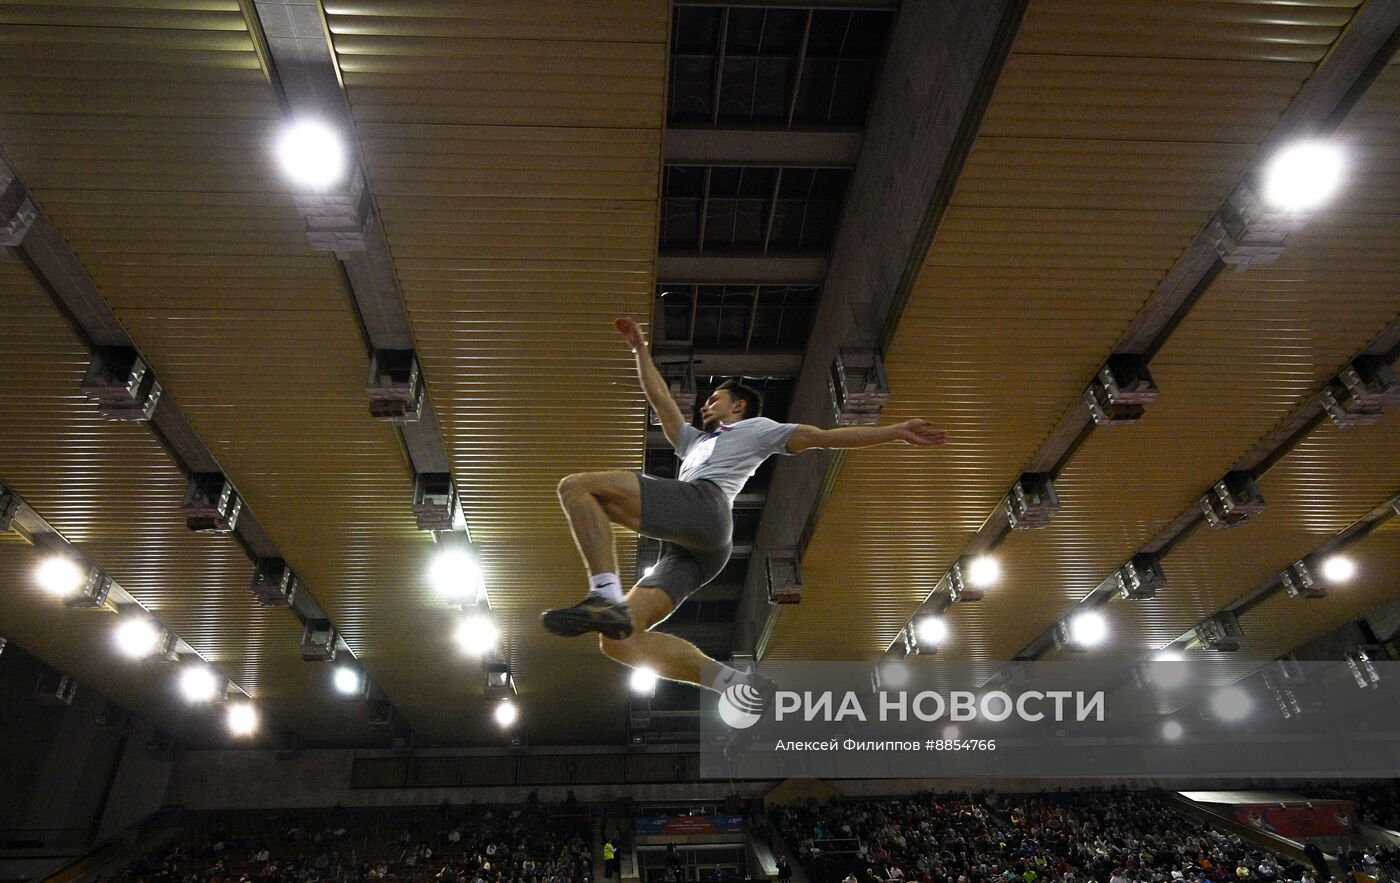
point(732, 453)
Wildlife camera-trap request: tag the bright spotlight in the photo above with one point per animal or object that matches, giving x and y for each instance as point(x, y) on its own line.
point(59, 575)
point(199, 684)
point(347, 681)
point(931, 630)
point(1171, 731)
point(1088, 628)
point(1302, 176)
point(506, 713)
point(457, 576)
point(138, 637)
point(894, 674)
point(476, 635)
point(1231, 704)
point(983, 572)
point(1168, 670)
point(311, 154)
point(1338, 569)
point(643, 681)
point(242, 719)
point(649, 571)
point(950, 732)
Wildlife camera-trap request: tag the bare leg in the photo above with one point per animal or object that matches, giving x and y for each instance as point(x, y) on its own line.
point(673, 658)
point(593, 502)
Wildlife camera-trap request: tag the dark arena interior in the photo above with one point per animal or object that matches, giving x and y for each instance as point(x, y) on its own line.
point(700, 441)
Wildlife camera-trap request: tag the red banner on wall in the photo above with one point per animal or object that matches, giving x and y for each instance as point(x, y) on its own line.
point(1299, 821)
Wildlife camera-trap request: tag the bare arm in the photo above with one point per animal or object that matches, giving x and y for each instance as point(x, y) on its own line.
point(915, 432)
point(658, 393)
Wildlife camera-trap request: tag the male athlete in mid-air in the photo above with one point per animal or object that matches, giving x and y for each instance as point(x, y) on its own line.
point(690, 515)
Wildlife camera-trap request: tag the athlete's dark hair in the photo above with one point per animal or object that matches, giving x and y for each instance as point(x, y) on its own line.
point(739, 391)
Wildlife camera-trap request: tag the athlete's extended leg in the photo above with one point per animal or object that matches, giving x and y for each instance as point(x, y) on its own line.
point(673, 658)
point(593, 502)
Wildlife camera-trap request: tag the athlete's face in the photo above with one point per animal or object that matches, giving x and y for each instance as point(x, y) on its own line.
point(719, 408)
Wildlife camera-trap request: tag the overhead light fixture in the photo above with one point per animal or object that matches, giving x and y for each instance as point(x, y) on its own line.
point(199, 684)
point(242, 719)
point(784, 573)
point(1081, 631)
point(1141, 578)
point(1121, 391)
point(983, 571)
point(1089, 628)
point(1171, 731)
point(1338, 569)
point(312, 154)
point(1232, 501)
point(1032, 501)
point(122, 384)
point(643, 681)
point(138, 637)
point(893, 674)
point(77, 582)
point(1303, 176)
point(1298, 580)
point(476, 635)
point(1232, 704)
point(1361, 393)
point(61, 575)
point(319, 641)
point(395, 386)
point(348, 681)
point(859, 387)
point(649, 571)
point(456, 575)
point(506, 713)
point(436, 505)
point(1166, 670)
point(1221, 633)
point(930, 631)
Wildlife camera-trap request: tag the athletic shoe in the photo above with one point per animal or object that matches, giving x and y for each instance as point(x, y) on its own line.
point(592, 614)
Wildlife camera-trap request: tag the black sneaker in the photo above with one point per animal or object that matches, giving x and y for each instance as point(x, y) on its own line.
point(592, 614)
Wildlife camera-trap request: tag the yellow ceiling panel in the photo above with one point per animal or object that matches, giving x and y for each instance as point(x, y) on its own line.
point(112, 491)
point(1107, 145)
point(514, 150)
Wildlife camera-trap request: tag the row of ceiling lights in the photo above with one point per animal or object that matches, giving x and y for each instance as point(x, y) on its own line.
point(1298, 178)
point(1088, 628)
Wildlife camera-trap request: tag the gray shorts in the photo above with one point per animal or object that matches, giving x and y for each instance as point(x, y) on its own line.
point(694, 522)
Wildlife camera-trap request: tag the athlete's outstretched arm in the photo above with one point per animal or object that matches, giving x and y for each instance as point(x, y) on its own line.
point(915, 432)
point(658, 393)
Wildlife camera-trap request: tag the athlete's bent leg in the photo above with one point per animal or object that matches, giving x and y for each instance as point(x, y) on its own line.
point(673, 658)
point(593, 502)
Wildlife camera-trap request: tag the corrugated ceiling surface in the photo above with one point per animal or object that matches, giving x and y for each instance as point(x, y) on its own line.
point(171, 201)
point(1255, 347)
point(1114, 133)
point(514, 149)
point(110, 489)
point(1330, 481)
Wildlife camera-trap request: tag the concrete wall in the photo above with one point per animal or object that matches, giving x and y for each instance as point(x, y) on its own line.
point(139, 789)
point(252, 779)
point(55, 761)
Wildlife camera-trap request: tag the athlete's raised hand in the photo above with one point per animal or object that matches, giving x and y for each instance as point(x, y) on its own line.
point(630, 330)
point(920, 433)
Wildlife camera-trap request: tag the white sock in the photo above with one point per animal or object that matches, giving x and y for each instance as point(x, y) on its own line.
point(728, 676)
point(606, 586)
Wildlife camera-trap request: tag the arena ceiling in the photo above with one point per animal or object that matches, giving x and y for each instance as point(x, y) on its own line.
point(1000, 196)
